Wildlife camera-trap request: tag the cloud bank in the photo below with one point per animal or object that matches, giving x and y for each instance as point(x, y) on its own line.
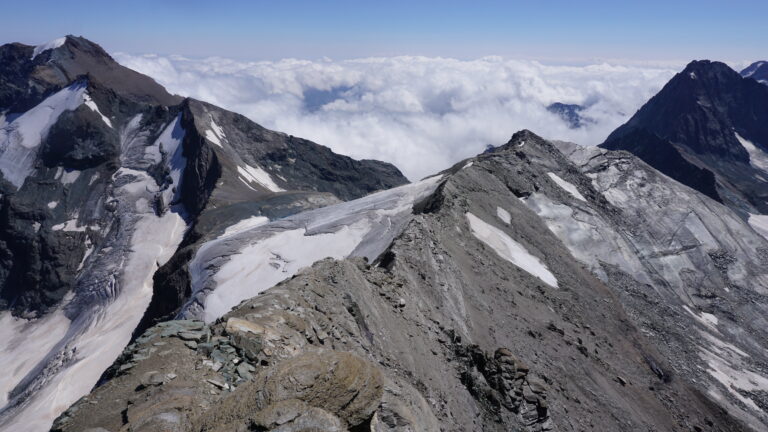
point(422, 114)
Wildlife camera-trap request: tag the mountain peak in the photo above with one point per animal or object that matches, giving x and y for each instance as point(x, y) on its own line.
point(757, 71)
point(35, 71)
point(708, 69)
point(524, 135)
point(701, 116)
point(53, 44)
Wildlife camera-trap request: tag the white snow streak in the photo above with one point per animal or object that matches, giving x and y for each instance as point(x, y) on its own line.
point(759, 223)
point(568, 187)
point(504, 215)
point(215, 134)
point(757, 157)
point(509, 249)
point(70, 176)
point(47, 46)
point(258, 175)
point(244, 225)
point(92, 105)
point(70, 225)
point(266, 255)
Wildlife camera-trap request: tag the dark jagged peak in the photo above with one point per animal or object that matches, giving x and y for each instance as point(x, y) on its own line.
point(79, 56)
point(701, 107)
point(713, 119)
point(29, 73)
point(757, 71)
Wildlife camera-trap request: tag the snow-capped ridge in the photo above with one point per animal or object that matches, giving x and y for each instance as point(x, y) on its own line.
point(53, 44)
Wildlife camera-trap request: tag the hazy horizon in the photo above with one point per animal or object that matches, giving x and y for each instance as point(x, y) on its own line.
point(559, 31)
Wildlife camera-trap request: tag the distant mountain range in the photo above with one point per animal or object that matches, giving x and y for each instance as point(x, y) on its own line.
point(167, 265)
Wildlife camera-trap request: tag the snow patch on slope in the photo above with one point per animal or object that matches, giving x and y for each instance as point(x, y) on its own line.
point(245, 225)
point(757, 157)
point(215, 134)
point(20, 138)
point(70, 225)
point(759, 223)
point(509, 249)
point(170, 143)
point(19, 356)
point(261, 266)
point(47, 46)
point(92, 105)
point(69, 176)
point(504, 215)
point(566, 186)
point(258, 175)
point(733, 379)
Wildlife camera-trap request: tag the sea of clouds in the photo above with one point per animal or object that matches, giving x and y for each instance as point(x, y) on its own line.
point(422, 114)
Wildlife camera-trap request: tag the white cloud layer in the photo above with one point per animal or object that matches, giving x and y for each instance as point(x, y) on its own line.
point(422, 114)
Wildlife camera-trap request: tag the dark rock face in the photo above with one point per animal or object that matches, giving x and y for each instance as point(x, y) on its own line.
point(663, 156)
point(758, 71)
point(80, 140)
point(697, 117)
point(570, 113)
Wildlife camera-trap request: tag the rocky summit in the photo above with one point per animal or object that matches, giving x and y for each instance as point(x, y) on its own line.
point(167, 265)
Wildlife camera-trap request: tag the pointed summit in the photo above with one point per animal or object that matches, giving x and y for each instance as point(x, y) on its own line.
point(694, 131)
point(29, 73)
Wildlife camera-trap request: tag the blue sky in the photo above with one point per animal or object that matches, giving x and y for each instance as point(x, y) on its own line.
point(566, 31)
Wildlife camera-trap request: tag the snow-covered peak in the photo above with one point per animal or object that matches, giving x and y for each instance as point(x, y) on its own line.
point(48, 45)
